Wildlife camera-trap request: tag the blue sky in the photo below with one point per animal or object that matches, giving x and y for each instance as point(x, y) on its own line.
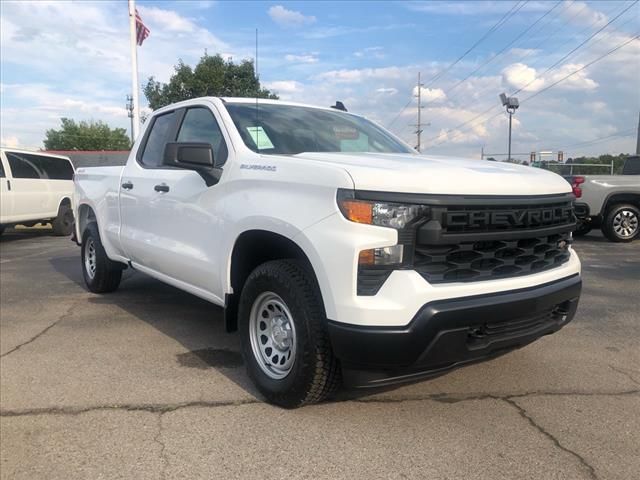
point(71, 59)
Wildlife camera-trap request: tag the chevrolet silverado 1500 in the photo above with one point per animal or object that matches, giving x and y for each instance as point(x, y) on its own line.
point(339, 253)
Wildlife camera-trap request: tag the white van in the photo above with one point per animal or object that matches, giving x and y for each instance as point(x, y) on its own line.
point(35, 187)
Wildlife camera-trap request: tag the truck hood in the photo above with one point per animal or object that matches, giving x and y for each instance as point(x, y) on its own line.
point(409, 173)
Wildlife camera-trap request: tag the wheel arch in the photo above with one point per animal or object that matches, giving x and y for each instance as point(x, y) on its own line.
point(252, 248)
point(86, 214)
point(622, 197)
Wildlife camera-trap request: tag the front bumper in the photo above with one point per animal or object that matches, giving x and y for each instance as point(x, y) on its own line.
point(446, 334)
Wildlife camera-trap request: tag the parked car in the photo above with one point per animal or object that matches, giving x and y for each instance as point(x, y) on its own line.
point(609, 202)
point(338, 252)
point(35, 187)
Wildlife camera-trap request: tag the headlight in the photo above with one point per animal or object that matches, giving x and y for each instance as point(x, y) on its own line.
point(393, 215)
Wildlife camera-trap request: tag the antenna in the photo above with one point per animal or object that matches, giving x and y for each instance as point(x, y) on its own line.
point(257, 87)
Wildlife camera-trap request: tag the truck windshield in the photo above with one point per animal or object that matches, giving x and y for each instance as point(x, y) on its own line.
point(288, 130)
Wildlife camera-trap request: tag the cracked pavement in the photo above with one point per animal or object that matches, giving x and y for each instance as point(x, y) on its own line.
point(145, 383)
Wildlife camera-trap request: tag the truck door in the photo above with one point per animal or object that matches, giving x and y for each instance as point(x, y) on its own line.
point(170, 218)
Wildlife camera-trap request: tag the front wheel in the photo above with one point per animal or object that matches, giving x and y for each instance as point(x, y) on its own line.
point(101, 275)
point(622, 223)
point(284, 337)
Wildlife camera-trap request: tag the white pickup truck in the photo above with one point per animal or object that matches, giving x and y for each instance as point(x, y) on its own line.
point(340, 254)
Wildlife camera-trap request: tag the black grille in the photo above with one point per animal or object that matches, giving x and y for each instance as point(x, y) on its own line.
point(487, 260)
point(510, 217)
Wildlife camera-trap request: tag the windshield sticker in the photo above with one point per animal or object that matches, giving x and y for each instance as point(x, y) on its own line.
point(260, 138)
point(345, 132)
point(359, 144)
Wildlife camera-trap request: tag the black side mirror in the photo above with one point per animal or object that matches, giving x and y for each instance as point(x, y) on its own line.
point(193, 156)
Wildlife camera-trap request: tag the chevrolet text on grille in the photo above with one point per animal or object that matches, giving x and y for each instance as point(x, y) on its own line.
point(529, 217)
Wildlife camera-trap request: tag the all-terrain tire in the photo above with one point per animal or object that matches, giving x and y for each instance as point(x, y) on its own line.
point(101, 275)
point(315, 373)
point(63, 223)
point(621, 223)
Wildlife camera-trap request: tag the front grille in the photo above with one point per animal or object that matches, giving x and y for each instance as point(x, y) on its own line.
point(509, 217)
point(476, 238)
point(488, 260)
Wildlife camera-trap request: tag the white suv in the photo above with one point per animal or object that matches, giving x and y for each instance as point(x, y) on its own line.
point(36, 187)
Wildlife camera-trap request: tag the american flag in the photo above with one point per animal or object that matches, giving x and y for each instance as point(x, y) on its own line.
point(142, 32)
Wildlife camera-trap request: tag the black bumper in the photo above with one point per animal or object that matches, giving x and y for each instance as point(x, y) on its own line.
point(450, 333)
point(581, 210)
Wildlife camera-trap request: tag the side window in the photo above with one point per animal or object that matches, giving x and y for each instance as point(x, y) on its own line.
point(22, 167)
point(2, 175)
point(199, 125)
point(157, 139)
point(52, 167)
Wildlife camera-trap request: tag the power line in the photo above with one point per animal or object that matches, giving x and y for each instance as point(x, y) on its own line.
point(497, 25)
point(624, 133)
point(613, 50)
point(505, 48)
point(546, 71)
point(519, 4)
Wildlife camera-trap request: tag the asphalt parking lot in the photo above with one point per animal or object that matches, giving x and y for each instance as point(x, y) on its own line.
point(144, 383)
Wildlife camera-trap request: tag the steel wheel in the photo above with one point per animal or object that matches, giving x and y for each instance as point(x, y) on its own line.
point(90, 258)
point(625, 223)
point(273, 335)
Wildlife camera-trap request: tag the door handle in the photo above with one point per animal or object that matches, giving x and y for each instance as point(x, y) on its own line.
point(9, 185)
point(163, 187)
point(127, 185)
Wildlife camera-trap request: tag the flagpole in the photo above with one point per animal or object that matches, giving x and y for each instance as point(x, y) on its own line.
point(134, 70)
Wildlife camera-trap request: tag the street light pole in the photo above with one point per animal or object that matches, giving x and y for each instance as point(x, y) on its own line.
point(510, 119)
point(511, 104)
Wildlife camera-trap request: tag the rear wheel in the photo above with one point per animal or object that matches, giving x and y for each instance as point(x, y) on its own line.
point(101, 275)
point(284, 337)
point(622, 223)
point(63, 223)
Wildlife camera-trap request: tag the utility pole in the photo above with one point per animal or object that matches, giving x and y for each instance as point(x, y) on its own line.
point(419, 125)
point(130, 115)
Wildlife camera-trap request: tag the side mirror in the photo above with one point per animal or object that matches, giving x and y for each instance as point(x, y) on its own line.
point(193, 156)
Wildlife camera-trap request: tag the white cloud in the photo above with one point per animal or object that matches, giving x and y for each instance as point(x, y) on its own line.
point(374, 52)
point(387, 91)
point(11, 141)
point(305, 58)
point(289, 18)
point(433, 95)
point(284, 86)
point(359, 75)
point(581, 14)
point(168, 20)
point(577, 81)
point(520, 76)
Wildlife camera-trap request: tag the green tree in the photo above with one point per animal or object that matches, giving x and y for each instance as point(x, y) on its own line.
point(212, 76)
point(91, 135)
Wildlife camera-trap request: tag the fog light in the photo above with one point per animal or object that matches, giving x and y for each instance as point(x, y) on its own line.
point(381, 256)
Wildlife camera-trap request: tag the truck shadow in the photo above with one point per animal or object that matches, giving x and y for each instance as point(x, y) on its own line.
point(194, 323)
point(13, 235)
